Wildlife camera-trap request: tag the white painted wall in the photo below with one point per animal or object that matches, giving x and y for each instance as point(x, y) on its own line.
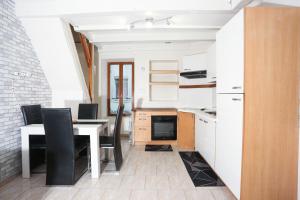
point(141, 54)
point(53, 42)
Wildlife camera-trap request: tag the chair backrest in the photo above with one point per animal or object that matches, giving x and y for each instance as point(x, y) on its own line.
point(117, 138)
point(118, 124)
point(88, 111)
point(32, 114)
point(60, 145)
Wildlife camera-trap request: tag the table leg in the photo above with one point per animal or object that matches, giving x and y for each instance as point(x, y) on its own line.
point(25, 154)
point(95, 154)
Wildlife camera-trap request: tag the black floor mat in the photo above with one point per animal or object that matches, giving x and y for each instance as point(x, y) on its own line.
point(150, 147)
point(200, 172)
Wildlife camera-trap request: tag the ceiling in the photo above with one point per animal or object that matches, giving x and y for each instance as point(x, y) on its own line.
point(127, 21)
point(180, 26)
point(107, 22)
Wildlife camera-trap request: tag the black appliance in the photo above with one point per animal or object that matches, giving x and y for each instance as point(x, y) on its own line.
point(164, 127)
point(194, 74)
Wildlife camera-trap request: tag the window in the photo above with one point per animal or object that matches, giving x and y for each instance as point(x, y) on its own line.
point(120, 86)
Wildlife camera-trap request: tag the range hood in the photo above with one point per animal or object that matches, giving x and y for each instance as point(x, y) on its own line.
point(194, 74)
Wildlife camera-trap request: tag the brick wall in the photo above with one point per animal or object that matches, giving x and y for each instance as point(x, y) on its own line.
point(22, 81)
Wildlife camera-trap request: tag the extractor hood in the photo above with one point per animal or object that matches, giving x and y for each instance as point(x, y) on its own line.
point(194, 74)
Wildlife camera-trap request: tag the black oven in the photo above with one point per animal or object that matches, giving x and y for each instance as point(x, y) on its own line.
point(164, 127)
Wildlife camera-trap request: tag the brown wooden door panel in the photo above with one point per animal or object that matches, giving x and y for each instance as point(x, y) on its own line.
point(186, 130)
point(270, 143)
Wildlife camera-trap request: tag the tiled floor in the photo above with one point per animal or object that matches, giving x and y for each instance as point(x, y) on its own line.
point(144, 175)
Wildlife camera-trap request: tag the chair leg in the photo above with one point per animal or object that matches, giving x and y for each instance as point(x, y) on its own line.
point(89, 158)
point(106, 155)
point(118, 157)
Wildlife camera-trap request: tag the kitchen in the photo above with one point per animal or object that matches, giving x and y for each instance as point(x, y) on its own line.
point(217, 130)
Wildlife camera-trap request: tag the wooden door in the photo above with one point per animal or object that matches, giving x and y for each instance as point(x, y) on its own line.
point(186, 130)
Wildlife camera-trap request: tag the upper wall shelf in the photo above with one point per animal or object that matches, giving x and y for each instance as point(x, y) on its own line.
point(163, 83)
point(164, 72)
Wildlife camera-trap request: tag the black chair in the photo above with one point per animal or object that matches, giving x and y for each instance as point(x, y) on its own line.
point(88, 111)
point(32, 115)
point(66, 159)
point(114, 141)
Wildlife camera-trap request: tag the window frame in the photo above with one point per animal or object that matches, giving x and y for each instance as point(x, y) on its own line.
point(120, 85)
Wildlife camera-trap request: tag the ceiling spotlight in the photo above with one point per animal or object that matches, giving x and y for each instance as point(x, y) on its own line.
point(149, 22)
point(149, 13)
point(130, 26)
point(168, 22)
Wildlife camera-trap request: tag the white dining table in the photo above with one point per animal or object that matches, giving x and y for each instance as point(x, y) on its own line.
point(93, 130)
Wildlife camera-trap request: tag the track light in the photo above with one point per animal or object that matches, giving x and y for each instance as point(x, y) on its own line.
point(130, 26)
point(168, 22)
point(149, 22)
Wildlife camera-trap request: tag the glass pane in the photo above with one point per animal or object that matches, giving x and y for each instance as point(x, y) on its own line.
point(127, 88)
point(114, 88)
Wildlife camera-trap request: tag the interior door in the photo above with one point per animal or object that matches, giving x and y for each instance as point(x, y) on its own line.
point(229, 138)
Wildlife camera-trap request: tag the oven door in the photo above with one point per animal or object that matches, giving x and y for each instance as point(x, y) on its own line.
point(163, 127)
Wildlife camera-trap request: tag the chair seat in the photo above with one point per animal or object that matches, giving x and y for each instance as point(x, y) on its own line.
point(106, 141)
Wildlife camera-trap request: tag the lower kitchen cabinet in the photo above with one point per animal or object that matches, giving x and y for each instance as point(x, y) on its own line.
point(206, 139)
point(186, 130)
point(208, 142)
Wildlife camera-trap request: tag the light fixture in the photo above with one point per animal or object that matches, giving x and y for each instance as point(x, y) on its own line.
point(130, 26)
point(149, 13)
point(149, 22)
point(168, 22)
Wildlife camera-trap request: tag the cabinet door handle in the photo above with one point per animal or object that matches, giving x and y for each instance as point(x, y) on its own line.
point(187, 69)
point(236, 87)
point(205, 122)
point(236, 99)
point(201, 120)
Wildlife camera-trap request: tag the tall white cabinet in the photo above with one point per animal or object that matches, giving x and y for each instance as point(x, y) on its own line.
point(230, 98)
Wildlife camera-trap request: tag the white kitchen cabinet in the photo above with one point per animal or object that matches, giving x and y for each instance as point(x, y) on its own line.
point(230, 56)
point(229, 137)
point(207, 141)
point(205, 138)
point(198, 130)
point(194, 62)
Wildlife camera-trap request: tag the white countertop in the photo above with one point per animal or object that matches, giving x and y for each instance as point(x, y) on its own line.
point(199, 112)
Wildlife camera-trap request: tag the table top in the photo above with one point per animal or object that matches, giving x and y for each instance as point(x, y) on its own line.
point(92, 120)
point(79, 129)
